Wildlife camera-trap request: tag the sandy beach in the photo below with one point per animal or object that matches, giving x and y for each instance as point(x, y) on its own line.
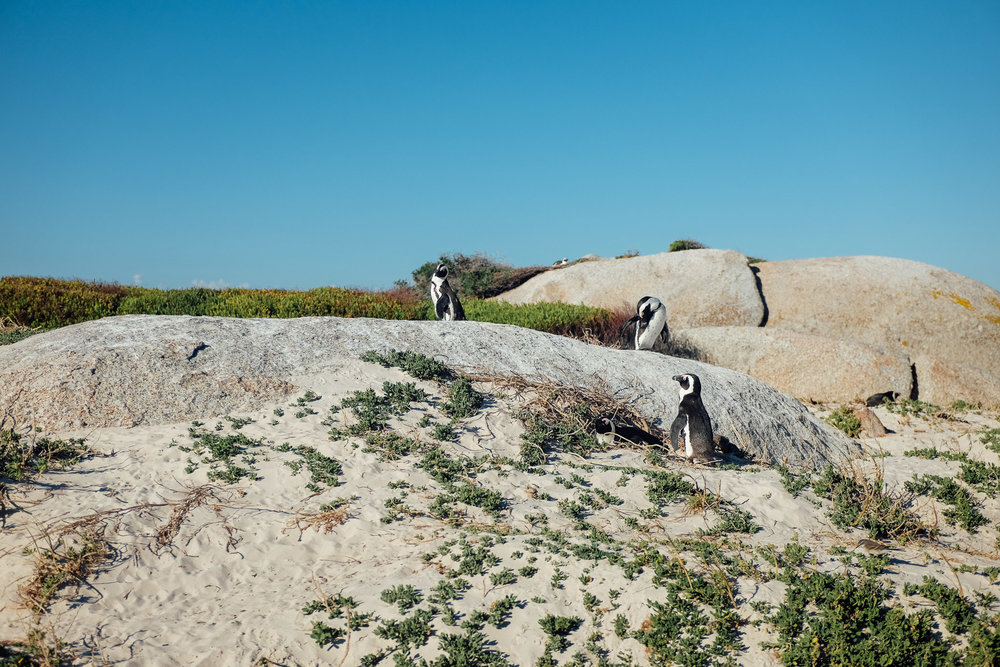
point(200, 571)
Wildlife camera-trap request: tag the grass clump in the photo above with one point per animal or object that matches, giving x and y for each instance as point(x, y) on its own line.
point(23, 456)
point(322, 468)
point(404, 596)
point(373, 410)
point(844, 419)
point(905, 407)
point(463, 401)
point(841, 619)
point(220, 453)
point(863, 503)
point(991, 438)
point(963, 510)
point(63, 564)
point(558, 628)
point(957, 612)
point(418, 365)
point(10, 332)
point(679, 629)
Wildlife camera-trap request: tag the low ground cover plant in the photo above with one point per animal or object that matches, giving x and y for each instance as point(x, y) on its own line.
point(29, 303)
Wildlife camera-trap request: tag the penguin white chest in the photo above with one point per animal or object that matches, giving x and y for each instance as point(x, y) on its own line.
point(645, 337)
point(686, 434)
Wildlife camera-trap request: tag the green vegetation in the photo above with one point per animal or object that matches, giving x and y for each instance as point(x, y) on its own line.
point(45, 303)
point(685, 244)
point(845, 419)
point(908, 406)
point(963, 510)
point(472, 276)
point(864, 503)
point(220, 453)
point(48, 303)
point(24, 456)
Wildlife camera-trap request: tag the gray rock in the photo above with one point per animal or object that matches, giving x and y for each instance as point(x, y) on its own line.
point(944, 382)
point(932, 315)
point(700, 287)
point(809, 367)
point(871, 425)
point(138, 369)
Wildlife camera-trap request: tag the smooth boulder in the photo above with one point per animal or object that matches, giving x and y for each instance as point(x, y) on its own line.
point(934, 316)
point(147, 369)
point(809, 367)
point(699, 287)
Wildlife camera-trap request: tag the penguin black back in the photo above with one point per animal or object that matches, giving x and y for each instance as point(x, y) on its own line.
point(605, 426)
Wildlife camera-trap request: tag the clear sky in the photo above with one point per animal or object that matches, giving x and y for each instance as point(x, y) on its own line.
point(300, 144)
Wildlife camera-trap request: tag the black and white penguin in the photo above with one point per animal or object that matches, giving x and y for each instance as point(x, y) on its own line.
point(876, 400)
point(650, 320)
point(446, 303)
point(610, 433)
point(692, 426)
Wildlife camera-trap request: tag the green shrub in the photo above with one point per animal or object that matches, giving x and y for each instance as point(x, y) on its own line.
point(47, 302)
point(685, 244)
point(557, 318)
point(845, 419)
point(865, 504)
point(473, 276)
point(146, 301)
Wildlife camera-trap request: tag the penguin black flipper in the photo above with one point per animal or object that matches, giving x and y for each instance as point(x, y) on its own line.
point(441, 307)
point(459, 312)
point(632, 321)
point(675, 431)
point(664, 336)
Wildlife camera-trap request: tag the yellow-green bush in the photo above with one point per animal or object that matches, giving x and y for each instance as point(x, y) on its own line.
point(50, 303)
point(147, 301)
point(47, 302)
point(558, 318)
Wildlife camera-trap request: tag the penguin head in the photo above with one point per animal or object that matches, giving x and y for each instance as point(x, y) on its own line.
point(441, 271)
point(690, 384)
point(603, 425)
point(646, 307)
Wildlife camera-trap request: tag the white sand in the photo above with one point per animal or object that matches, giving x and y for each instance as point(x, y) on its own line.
point(229, 587)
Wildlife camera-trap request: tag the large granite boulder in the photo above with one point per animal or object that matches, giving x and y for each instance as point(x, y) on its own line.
point(809, 367)
point(938, 318)
point(140, 369)
point(699, 287)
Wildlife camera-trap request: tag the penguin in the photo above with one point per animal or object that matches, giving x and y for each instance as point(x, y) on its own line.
point(876, 400)
point(651, 332)
point(692, 426)
point(610, 433)
point(446, 303)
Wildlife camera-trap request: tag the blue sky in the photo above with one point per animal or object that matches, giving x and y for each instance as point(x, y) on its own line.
point(300, 144)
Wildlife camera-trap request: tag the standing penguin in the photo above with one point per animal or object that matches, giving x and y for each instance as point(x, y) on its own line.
point(650, 321)
point(692, 424)
point(446, 303)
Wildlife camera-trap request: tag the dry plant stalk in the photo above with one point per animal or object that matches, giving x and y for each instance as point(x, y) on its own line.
point(556, 402)
point(62, 564)
point(195, 497)
point(320, 520)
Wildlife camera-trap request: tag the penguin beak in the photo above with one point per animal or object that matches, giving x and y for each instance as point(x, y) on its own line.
point(677, 378)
